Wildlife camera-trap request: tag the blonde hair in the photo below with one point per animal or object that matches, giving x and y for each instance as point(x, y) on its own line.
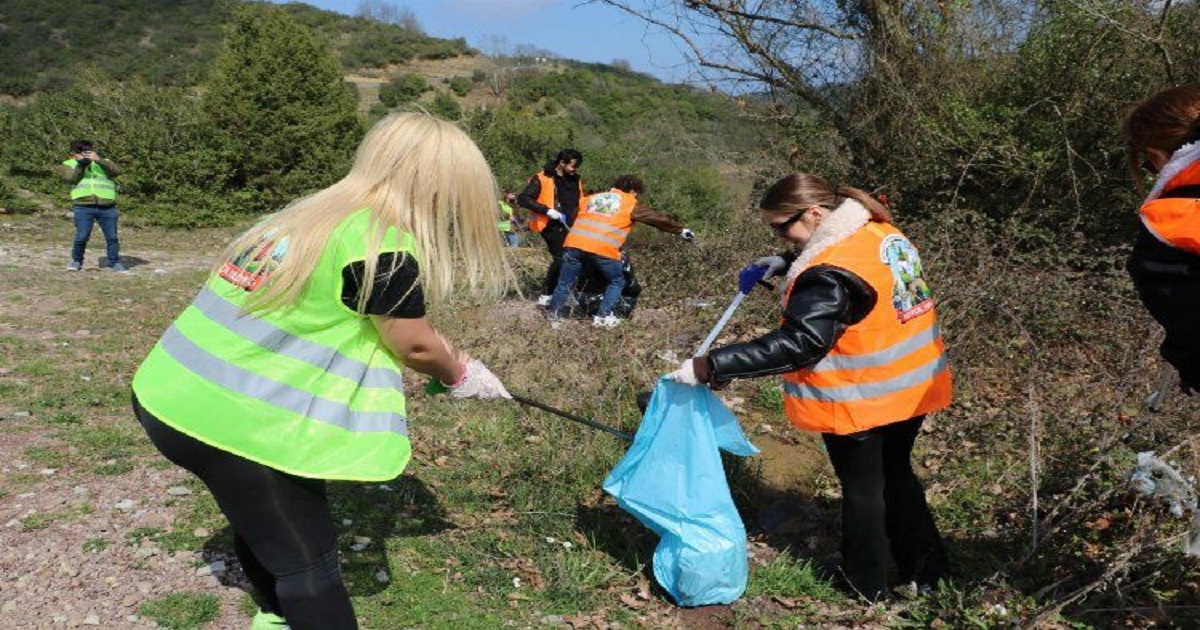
point(798, 191)
point(414, 172)
point(1165, 121)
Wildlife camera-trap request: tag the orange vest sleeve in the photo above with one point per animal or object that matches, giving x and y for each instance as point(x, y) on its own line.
point(1175, 222)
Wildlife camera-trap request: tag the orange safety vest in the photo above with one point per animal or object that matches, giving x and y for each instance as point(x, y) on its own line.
point(537, 220)
point(603, 224)
point(1176, 222)
point(886, 368)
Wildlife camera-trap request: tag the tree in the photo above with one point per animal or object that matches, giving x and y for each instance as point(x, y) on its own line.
point(403, 89)
point(446, 106)
point(277, 98)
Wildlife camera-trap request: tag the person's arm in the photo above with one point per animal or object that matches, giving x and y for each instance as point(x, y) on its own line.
point(416, 344)
point(71, 175)
point(825, 301)
point(528, 197)
point(655, 219)
point(1175, 222)
point(108, 166)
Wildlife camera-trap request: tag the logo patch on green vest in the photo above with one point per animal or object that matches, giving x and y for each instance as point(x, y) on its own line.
point(251, 268)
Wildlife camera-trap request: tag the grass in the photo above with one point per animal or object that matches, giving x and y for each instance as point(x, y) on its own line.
point(462, 536)
point(182, 611)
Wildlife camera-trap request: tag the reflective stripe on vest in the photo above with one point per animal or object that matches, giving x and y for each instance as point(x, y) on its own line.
point(546, 196)
point(308, 389)
point(888, 367)
point(603, 224)
point(243, 381)
point(95, 182)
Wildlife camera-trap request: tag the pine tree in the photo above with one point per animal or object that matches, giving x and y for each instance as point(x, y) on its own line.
point(286, 118)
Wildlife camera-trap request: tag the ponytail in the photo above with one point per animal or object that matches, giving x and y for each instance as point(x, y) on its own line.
point(800, 190)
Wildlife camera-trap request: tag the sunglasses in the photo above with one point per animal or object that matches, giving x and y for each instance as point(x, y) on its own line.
point(1149, 167)
point(782, 227)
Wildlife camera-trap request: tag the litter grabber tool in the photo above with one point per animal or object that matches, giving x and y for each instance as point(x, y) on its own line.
point(570, 416)
point(434, 387)
point(749, 277)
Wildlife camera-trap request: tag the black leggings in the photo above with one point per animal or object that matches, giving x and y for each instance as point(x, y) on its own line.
point(884, 508)
point(283, 531)
point(554, 234)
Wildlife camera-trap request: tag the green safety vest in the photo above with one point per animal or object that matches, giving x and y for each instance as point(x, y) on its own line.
point(307, 389)
point(94, 183)
point(505, 225)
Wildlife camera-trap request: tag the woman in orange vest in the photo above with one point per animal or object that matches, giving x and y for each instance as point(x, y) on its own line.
point(862, 363)
point(1164, 140)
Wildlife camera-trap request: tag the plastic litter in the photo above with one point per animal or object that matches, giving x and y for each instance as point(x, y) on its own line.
point(672, 480)
point(1154, 478)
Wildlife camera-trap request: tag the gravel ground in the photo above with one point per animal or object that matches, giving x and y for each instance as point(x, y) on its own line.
point(73, 550)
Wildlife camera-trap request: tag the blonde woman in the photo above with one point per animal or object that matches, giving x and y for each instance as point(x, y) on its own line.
point(285, 371)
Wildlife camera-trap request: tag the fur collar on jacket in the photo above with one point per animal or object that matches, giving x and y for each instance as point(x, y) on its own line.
point(845, 220)
point(1183, 157)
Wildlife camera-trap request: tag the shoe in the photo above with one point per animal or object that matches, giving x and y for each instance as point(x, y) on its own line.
point(267, 621)
point(608, 321)
point(118, 267)
point(74, 266)
point(543, 300)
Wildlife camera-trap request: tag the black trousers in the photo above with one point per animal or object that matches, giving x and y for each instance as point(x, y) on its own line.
point(283, 531)
point(884, 509)
point(554, 234)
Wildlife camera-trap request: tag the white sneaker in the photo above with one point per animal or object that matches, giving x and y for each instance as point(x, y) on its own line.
point(609, 321)
point(543, 300)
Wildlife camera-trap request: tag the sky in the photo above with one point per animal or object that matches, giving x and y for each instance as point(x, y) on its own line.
point(568, 28)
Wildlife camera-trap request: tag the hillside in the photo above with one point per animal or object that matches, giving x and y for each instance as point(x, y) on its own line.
point(43, 43)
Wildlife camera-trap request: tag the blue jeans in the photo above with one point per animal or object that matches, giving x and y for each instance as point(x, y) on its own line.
point(510, 239)
point(573, 261)
point(85, 217)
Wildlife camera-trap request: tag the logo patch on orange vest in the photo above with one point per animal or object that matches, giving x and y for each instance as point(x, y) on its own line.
point(911, 296)
point(605, 204)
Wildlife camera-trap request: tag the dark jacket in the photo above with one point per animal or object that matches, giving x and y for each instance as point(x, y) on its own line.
point(1168, 281)
point(825, 302)
point(566, 194)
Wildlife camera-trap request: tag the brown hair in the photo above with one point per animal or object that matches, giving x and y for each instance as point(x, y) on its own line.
point(801, 190)
point(1166, 121)
point(629, 184)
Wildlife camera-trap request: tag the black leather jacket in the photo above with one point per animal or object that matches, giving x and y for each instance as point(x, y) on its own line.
point(825, 302)
point(1168, 281)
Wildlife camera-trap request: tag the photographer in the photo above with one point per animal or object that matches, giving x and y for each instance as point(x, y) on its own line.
point(93, 200)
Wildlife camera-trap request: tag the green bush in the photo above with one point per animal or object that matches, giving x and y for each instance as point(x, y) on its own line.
point(460, 85)
point(446, 106)
point(403, 89)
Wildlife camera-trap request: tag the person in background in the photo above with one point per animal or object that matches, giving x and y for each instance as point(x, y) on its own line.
point(1163, 135)
point(862, 362)
point(93, 200)
point(604, 222)
point(285, 371)
point(507, 231)
point(553, 196)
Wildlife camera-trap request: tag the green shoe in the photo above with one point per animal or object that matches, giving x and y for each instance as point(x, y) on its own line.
point(267, 621)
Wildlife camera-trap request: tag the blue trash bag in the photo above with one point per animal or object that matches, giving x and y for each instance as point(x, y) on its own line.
point(673, 482)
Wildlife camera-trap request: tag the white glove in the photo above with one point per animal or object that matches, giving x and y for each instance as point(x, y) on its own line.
point(774, 264)
point(555, 215)
point(478, 382)
point(686, 373)
point(687, 235)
